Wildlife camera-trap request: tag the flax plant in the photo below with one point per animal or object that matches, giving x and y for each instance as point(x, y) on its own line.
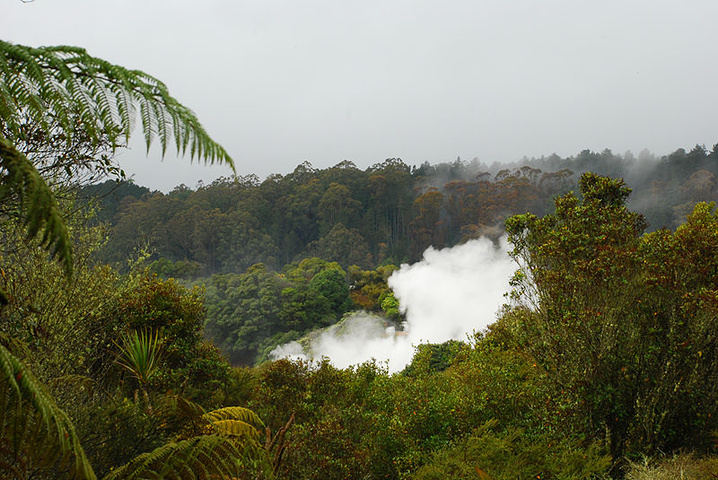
point(141, 354)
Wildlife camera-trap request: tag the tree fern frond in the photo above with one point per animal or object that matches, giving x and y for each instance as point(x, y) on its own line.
point(232, 451)
point(89, 98)
point(124, 107)
point(38, 206)
point(163, 134)
point(235, 413)
point(37, 431)
point(147, 122)
point(214, 455)
point(60, 78)
point(178, 406)
point(235, 428)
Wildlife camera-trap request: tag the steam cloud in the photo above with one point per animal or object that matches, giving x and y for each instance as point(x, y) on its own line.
point(447, 295)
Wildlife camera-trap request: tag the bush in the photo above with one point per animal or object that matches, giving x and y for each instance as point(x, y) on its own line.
point(512, 455)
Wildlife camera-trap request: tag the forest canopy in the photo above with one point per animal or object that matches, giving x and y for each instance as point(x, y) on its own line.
point(387, 213)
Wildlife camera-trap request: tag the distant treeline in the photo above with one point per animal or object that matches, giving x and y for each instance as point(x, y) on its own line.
point(388, 213)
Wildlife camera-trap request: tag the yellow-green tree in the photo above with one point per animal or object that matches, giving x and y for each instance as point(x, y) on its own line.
point(620, 320)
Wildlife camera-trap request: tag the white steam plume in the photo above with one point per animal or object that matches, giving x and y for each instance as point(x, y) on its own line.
point(447, 295)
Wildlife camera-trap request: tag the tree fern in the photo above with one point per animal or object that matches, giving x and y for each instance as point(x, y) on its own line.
point(34, 432)
point(236, 421)
point(228, 449)
point(21, 182)
point(203, 457)
point(83, 96)
point(67, 84)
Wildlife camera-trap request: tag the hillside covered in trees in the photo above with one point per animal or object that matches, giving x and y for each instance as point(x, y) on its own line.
point(134, 325)
point(389, 213)
point(257, 246)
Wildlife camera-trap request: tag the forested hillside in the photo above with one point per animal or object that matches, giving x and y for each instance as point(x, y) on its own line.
point(257, 246)
point(389, 213)
point(602, 363)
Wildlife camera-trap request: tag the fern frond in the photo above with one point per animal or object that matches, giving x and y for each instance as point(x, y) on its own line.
point(183, 414)
point(235, 428)
point(232, 451)
point(235, 413)
point(178, 406)
point(206, 456)
point(33, 429)
point(38, 207)
point(66, 82)
point(89, 98)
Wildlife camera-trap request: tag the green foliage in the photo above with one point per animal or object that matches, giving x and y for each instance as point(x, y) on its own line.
point(362, 422)
point(34, 432)
point(243, 310)
point(495, 455)
point(250, 314)
point(141, 353)
point(176, 315)
point(384, 215)
point(109, 195)
point(62, 322)
point(331, 284)
point(206, 456)
point(236, 422)
point(35, 201)
point(180, 269)
point(389, 213)
point(370, 288)
point(115, 430)
point(609, 331)
point(65, 89)
point(81, 93)
point(390, 306)
point(614, 319)
point(280, 390)
point(344, 245)
point(60, 110)
point(431, 358)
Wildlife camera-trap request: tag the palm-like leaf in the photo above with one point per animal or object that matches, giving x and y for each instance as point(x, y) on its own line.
point(239, 414)
point(231, 450)
point(235, 421)
point(84, 93)
point(141, 353)
point(34, 432)
point(203, 457)
point(87, 97)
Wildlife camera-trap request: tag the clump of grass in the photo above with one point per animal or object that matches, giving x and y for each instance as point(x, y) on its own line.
point(683, 466)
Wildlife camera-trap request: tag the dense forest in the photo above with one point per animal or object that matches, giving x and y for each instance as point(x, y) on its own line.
point(251, 243)
point(136, 326)
point(388, 213)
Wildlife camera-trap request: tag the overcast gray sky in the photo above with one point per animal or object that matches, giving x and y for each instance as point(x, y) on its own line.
point(281, 82)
